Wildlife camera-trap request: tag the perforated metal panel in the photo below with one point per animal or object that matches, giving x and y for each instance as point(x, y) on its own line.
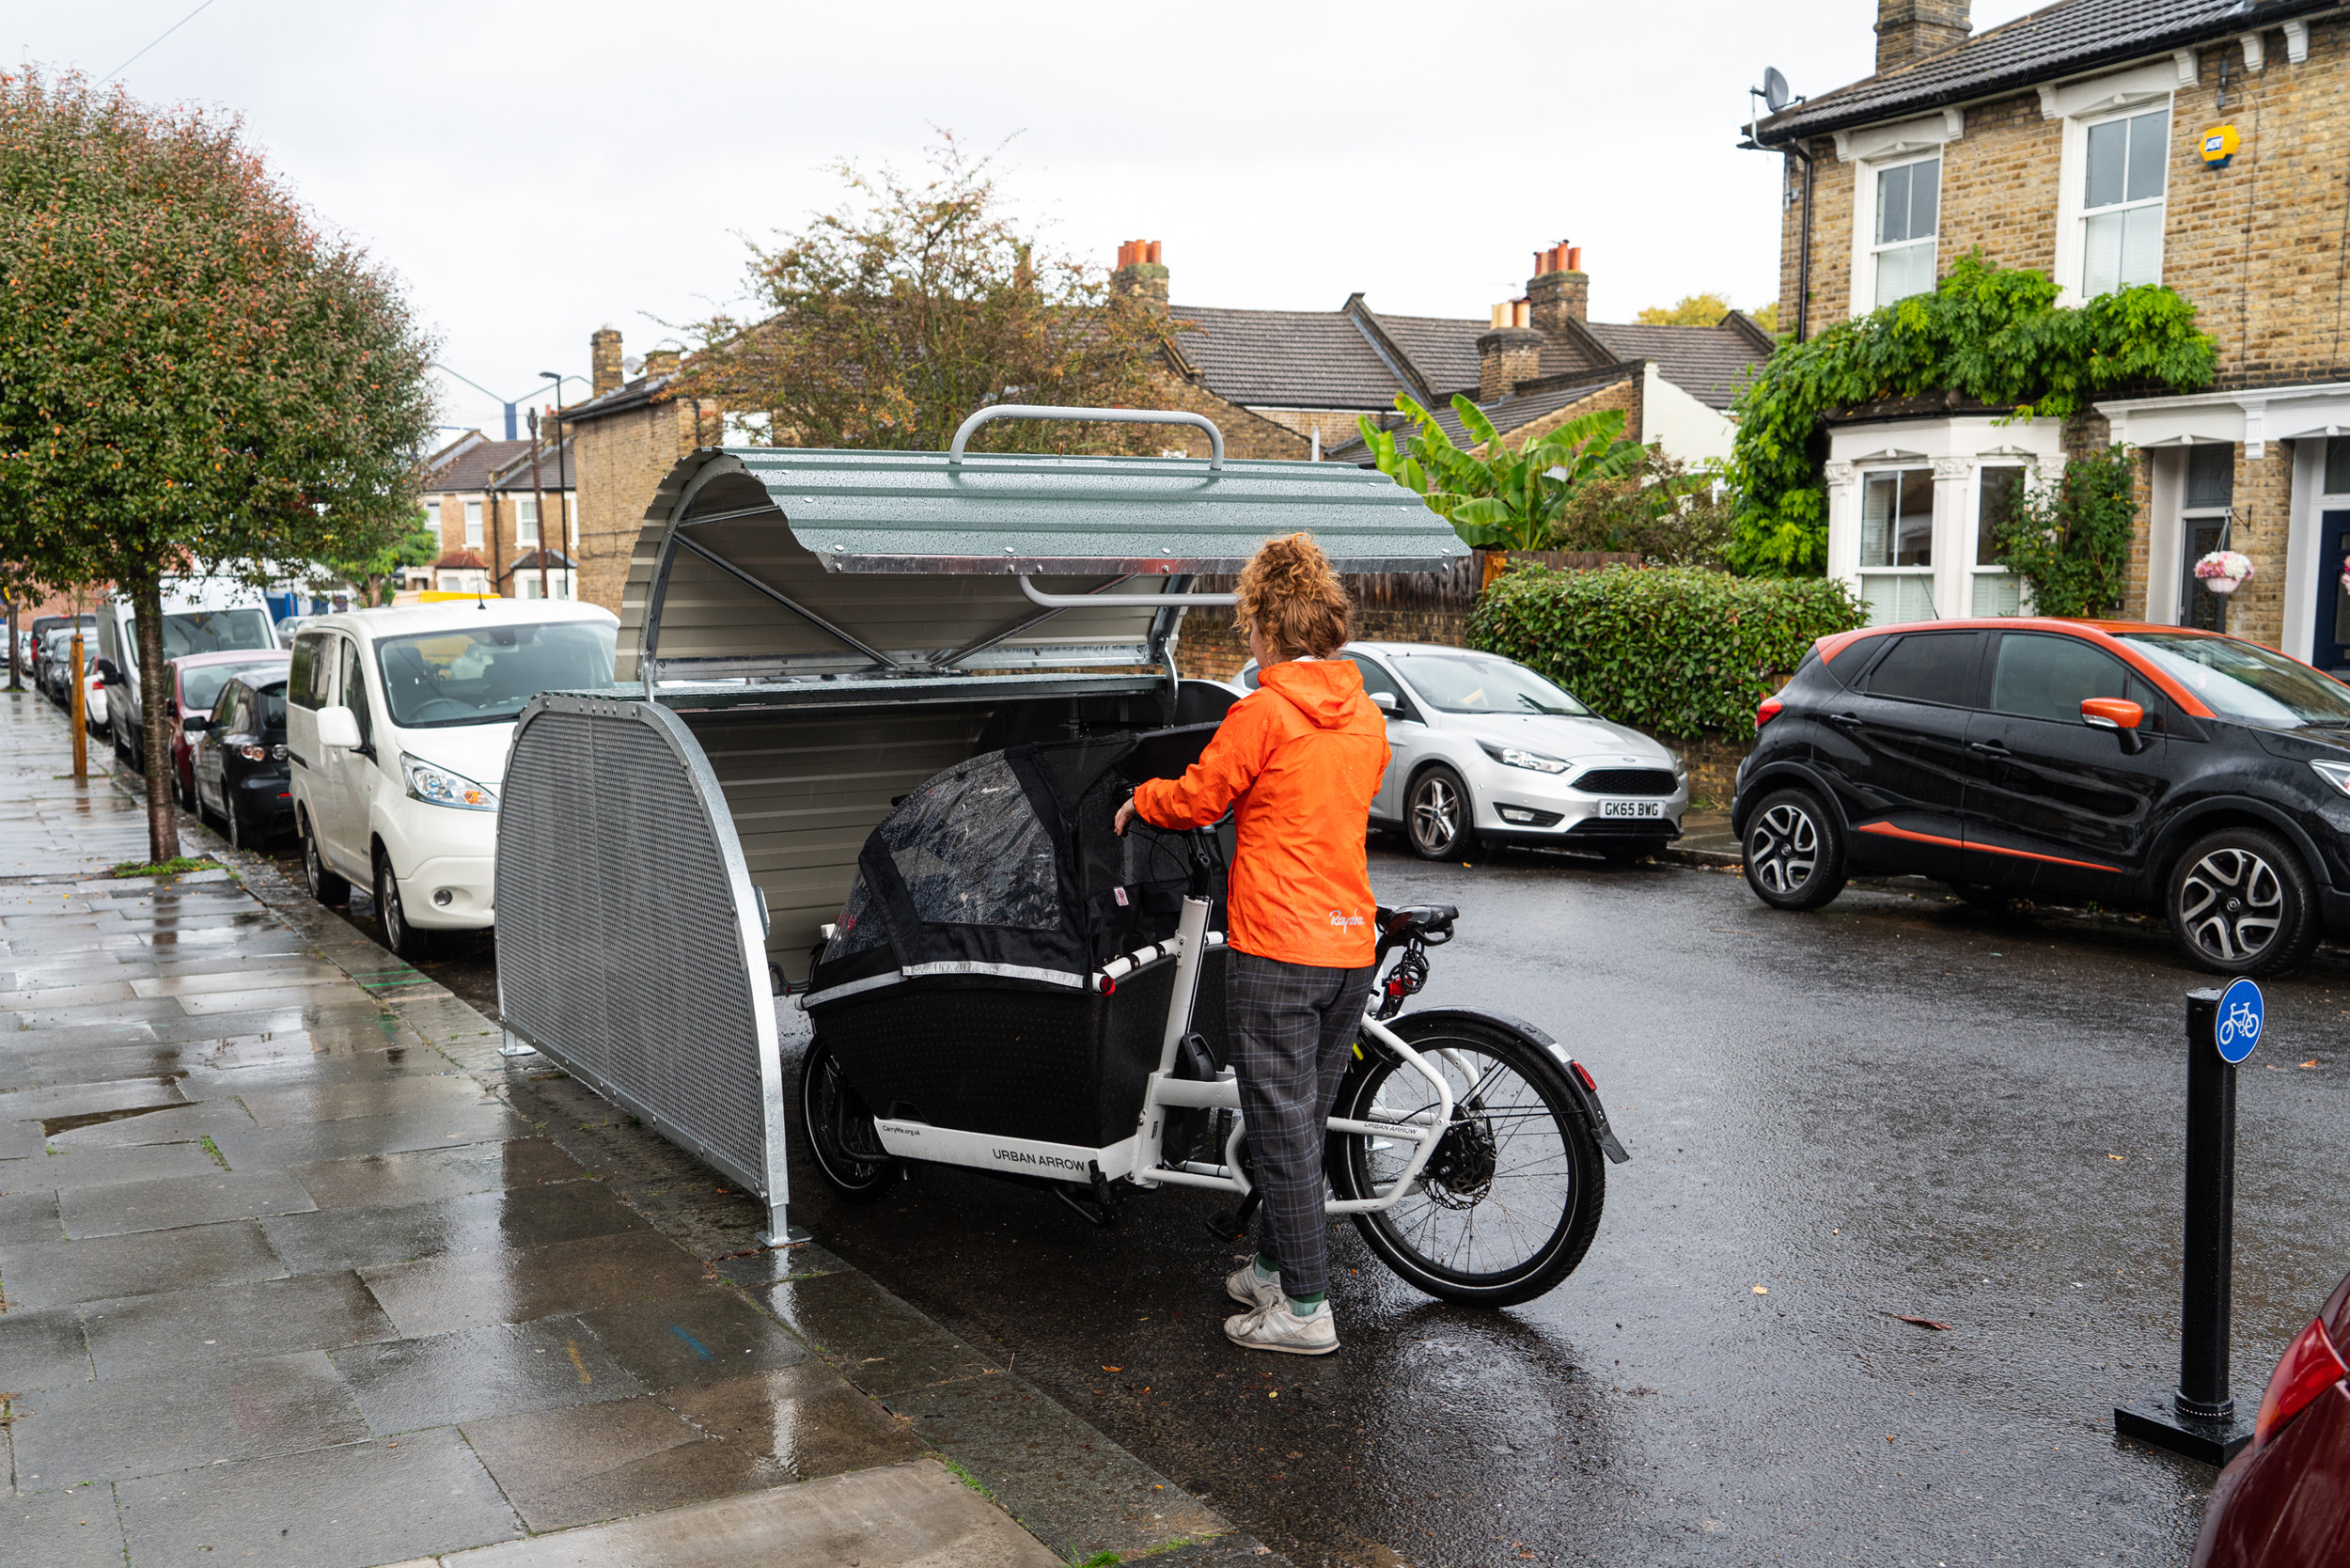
point(630, 941)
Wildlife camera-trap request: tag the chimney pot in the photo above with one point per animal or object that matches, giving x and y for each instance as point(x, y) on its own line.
point(1575, 258)
point(1154, 253)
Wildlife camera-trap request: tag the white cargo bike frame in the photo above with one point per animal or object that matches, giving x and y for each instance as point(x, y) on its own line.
point(1140, 1158)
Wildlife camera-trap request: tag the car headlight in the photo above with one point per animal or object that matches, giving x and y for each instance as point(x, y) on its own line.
point(439, 787)
point(2336, 774)
point(1518, 757)
point(1681, 766)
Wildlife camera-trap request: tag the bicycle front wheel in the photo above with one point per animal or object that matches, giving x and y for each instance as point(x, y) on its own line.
point(1509, 1200)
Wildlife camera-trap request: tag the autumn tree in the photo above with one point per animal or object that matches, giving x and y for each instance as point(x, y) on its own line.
point(1706, 309)
point(888, 320)
point(195, 377)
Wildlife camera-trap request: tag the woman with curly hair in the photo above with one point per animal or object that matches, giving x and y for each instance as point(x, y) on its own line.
point(1297, 761)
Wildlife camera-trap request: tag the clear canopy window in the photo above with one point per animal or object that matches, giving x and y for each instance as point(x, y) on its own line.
point(2239, 680)
point(1480, 683)
point(485, 675)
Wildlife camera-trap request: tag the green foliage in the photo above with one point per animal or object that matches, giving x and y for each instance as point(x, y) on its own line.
point(173, 867)
point(1676, 652)
point(887, 322)
point(1510, 499)
point(1992, 335)
point(374, 574)
point(2072, 543)
point(1705, 309)
point(1660, 511)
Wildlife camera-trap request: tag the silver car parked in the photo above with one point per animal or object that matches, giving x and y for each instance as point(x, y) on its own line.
point(1485, 749)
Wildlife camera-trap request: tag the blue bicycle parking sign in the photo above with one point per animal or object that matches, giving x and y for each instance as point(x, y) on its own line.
point(2239, 1025)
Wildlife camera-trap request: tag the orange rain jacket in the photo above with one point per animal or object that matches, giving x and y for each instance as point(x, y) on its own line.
point(1301, 755)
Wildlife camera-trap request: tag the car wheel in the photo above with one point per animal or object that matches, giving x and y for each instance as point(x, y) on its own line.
point(325, 885)
point(1794, 852)
point(403, 938)
point(1436, 816)
point(2241, 903)
point(237, 837)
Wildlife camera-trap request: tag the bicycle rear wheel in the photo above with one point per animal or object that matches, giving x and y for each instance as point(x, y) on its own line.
point(1509, 1202)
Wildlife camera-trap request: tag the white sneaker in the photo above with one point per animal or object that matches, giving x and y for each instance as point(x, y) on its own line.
point(1242, 1286)
point(1274, 1327)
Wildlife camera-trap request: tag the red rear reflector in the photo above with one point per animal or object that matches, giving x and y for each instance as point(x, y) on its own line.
point(1768, 712)
point(2311, 1366)
point(1582, 1074)
point(1108, 985)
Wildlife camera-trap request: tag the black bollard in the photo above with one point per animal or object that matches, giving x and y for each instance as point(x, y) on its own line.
point(2198, 1419)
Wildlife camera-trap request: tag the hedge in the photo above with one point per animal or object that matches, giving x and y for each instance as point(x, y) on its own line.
point(1674, 650)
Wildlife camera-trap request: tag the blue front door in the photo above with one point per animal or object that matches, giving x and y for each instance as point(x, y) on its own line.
point(2332, 652)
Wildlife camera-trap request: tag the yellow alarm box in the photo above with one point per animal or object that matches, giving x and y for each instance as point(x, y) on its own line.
point(2219, 144)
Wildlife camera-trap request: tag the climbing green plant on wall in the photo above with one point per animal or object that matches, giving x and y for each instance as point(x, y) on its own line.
point(1993, 335)
point(2070, 542)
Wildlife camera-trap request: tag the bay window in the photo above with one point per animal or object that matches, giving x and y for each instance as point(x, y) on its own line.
point(1997, 590)
point(1897, 544)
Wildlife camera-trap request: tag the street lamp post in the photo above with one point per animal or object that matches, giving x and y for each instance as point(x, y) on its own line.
point(562, 488)
point(538, 502)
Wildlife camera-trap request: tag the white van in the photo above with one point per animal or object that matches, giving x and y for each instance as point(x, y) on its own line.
point(201, 614)
point(398, 723)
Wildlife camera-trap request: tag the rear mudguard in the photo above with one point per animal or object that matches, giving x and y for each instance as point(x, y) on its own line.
point(1594, 1114)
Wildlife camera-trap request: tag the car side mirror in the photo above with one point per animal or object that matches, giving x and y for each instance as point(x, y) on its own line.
point(195, 724)
point(1385, 701)
point(338, 728)
point(2118, 714)
point(107, 670)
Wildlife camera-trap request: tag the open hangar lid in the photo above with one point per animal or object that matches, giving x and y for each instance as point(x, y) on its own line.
point(766, 567)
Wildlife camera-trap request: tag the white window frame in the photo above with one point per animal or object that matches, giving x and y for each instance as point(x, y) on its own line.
point(526, 519)
point(1871, 252)
point(2080, 105)
point(1873, 149)
point(1977, 569)
point(473, 523)
point(1935, 552)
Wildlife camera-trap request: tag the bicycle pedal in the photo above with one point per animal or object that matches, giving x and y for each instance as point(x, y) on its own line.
point(1226, 1226)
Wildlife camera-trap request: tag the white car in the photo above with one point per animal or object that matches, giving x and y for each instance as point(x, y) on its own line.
point(201, 614)
point(397, 724)
point(1485, 749)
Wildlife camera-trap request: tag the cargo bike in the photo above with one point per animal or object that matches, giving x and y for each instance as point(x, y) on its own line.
point(875, 714)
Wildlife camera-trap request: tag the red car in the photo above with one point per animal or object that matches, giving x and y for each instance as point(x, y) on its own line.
point(196, 681)
point(2285, 1502)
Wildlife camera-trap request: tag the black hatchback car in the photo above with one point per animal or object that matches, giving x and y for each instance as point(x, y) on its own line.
point(2134, 765)
point(242, 777)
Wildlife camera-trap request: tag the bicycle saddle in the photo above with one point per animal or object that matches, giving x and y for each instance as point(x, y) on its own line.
point(1423, 921)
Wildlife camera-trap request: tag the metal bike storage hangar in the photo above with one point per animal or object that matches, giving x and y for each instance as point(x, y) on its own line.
point(805, 636)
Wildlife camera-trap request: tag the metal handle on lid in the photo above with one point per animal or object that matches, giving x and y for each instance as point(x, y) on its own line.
point(1113, 415)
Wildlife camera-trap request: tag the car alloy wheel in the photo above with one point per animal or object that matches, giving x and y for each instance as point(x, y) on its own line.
point(2230, 905)
point(325, 885)
point(1783, 847)
point(399, 935)
point(1437, 815)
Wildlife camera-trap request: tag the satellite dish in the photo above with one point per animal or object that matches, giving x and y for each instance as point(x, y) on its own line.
point(632, 364)
point(1775, 91)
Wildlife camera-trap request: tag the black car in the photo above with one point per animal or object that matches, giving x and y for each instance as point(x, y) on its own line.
point(242, 777)
point(2136, 766)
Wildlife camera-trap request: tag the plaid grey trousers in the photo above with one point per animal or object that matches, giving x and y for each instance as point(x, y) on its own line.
point(1291, 1030)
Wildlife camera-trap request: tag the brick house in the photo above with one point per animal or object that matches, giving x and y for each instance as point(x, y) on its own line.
point(2072, 141)
point(479, 495)
point(1278, 383)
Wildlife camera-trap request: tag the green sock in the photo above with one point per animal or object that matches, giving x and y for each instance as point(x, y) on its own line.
point(1303, 1306)
point(1267, 1270)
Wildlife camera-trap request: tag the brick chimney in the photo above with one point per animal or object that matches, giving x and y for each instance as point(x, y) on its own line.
point(1559, 291)
point(661, 362)
point(1508, 354)
point(603, 361)
point(1912, 29)
point(1140, 275)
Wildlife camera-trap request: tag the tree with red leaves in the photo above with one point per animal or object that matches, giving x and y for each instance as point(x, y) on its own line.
point(195, 376)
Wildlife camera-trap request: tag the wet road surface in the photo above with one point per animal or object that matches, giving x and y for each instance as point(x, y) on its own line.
point(1896, 1106)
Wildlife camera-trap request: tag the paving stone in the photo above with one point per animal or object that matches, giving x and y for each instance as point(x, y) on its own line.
point(804, 1421)
point(471, 1121)
point(432, 1173)
point(58, 1273)
point(485, 1221)
point(187, 1124)
point(21, 1140)
point(405, 1385)
point(208, 1004)
point(775, 1264)
point(586, 1463)
point(27, 1215)
point(67, 996)
point(709, 1335)
point(207, 1325)
point(86, 1098)
point(334, 1508)
point(200, 1416)
point(440, 1295)
point(914, 1512)
point(65, 1528)
point(42, 1350)
point(95, 1169)
point(240, 977)
point(116, 1017)
point(161, 1205)
point(885, 1344)
point(263, 1064)
point(335, 1101)
point(1076, 1491)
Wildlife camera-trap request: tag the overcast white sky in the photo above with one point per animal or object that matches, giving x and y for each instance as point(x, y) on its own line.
point(535, 171)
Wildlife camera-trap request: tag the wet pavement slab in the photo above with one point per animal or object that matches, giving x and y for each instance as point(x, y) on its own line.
point(295, 1268)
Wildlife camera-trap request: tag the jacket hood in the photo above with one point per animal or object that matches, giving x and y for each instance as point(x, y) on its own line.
point(1329, 692)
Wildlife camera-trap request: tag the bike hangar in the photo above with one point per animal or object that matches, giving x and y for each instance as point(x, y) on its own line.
point(805, 636)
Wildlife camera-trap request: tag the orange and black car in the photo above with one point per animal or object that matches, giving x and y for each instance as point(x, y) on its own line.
point(2186, 772)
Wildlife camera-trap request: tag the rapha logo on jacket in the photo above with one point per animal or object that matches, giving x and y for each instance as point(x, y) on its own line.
point(1342, 921)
